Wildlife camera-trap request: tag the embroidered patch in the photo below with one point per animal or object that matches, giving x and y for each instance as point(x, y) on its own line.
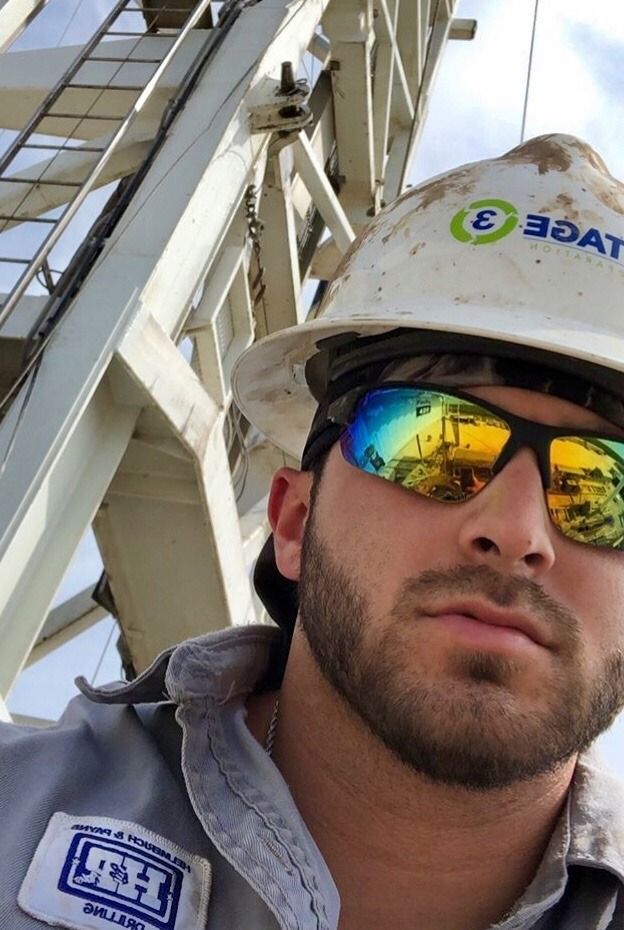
point(94, 873)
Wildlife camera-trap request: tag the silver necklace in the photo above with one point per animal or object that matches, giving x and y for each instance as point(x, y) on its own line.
point(270, 737)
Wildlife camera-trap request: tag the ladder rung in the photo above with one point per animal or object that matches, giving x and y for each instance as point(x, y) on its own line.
point(104, 87)
point(127, 61)
point(62, 148)
point(138, 35)
point(20, 219)
point(158, 10)
point(16, 261)
point(40, 181)
point(80, 116)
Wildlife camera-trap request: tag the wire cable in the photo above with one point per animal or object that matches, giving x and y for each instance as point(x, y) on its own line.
point(104, 650)
point(72, 15)
point(528, 75)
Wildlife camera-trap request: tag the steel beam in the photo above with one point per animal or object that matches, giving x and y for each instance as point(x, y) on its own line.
point(66, 434)
point(322, 193)
point(421, 65)
point(412, 32)
point(15, 15)
point(65, 622)
point(349, 27)
point(63, 494)
point(194, 568)
point(25, 201)
point(463, 30)
point(26, 78)
point(280, 259)
point(223, 324)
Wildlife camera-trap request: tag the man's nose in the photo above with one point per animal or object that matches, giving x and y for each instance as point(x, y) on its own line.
point(507, 525)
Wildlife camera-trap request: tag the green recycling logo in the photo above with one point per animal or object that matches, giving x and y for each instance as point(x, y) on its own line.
point(484, 221)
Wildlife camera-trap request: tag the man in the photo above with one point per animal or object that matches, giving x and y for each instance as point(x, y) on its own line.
point(413, 749)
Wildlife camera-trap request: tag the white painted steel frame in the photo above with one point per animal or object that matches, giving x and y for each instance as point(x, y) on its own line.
point(15, 15)
point(74, 429)
point(115, 414)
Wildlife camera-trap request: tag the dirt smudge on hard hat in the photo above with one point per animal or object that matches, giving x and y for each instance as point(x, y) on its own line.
point(347, 259)
point(608, 189)
point(610, 193)
point(455, 182)
point(566, 203)
point(417, 247)
point(460, 182)
point(543, 152)
point(563, 203)
point(590, 155)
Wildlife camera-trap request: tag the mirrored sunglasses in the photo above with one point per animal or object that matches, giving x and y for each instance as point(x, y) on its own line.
point(448, 446)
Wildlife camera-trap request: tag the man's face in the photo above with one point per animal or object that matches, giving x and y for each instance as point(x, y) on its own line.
point(396, 592)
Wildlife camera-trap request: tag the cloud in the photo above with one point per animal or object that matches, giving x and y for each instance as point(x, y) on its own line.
point(576, 83)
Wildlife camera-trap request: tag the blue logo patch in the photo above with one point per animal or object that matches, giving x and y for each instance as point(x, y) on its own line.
point(124, 883)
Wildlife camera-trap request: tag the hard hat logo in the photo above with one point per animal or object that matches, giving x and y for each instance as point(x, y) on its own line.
point(484, 221)
point(553, 282)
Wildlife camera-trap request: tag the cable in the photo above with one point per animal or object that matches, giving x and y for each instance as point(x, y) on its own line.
point(106, 645)
point(241, 480)
point(69, 22)
point(35, 371)
point(528, 76)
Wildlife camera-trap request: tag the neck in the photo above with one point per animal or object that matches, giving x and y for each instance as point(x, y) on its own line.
point(402, 850)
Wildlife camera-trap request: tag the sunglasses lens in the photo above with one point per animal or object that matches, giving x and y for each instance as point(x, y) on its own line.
point(586, 496)
point(440, 445)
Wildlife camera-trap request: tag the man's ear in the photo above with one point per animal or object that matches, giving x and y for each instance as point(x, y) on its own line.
point(289, 506)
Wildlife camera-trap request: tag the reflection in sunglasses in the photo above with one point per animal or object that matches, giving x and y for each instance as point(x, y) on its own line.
point(446, 447)
point(586, 497)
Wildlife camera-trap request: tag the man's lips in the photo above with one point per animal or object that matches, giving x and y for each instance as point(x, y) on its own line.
point(478, 612)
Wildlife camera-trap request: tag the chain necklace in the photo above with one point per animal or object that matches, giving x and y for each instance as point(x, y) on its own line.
point(270, 737)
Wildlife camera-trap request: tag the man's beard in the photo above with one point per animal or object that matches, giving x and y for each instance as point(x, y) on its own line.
point(466, 729)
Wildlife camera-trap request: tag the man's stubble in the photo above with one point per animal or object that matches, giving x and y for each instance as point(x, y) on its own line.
point(467, 730)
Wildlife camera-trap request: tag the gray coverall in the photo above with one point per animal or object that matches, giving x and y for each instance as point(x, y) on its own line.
point(150, 806)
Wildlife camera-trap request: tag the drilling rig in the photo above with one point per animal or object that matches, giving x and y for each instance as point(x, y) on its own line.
point(182, 183)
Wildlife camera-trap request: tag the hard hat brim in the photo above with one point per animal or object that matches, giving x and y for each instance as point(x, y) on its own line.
point(269, 383)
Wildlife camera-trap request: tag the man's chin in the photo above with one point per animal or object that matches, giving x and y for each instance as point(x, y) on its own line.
point(474, 735)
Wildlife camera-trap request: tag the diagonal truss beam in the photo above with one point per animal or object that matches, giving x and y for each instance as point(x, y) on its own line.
point(66, 432)
point(15, 15)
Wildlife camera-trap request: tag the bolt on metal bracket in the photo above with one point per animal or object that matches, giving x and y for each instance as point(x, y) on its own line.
point(287, 109)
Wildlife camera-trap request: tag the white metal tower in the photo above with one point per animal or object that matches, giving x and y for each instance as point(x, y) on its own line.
point(226, 168)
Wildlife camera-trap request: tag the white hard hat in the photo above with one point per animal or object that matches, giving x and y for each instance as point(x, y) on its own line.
point(518, 255)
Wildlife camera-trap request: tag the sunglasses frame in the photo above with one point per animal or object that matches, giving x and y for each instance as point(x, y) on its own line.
point(523, 432)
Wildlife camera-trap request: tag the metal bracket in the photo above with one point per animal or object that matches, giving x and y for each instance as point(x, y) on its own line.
point(287, 109)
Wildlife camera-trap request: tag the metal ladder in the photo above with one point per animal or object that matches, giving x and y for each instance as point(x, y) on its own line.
point(52, 108)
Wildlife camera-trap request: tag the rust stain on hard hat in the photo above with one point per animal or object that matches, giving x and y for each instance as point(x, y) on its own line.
point(543, 152)
point(438, 188)
point(347, 258)
point(611, 195)
point(566, 203)
point(609, 190)
point(457, 182)
point(590, 155)
point(562, 202)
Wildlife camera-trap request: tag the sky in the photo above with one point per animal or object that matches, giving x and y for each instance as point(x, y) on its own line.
point(576, 86)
